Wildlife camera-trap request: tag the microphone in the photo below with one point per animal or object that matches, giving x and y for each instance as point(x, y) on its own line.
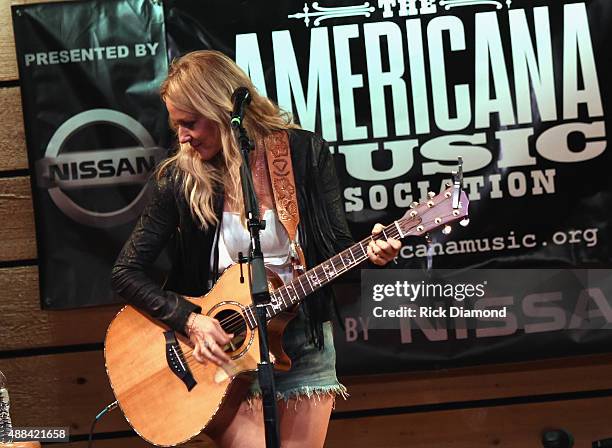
point(241, 97)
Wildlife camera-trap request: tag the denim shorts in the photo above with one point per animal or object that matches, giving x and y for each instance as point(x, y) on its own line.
point(313, 371)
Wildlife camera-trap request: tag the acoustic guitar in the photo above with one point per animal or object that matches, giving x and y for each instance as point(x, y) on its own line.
point(168, 397)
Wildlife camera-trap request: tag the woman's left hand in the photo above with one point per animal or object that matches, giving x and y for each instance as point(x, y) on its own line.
point(381, 252)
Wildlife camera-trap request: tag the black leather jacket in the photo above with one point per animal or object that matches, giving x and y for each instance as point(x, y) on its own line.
point(323, 232)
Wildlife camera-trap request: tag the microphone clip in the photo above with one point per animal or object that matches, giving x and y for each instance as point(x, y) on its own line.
point(240, 98)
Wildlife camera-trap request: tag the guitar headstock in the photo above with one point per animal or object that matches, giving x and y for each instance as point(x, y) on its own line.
point(437, 211)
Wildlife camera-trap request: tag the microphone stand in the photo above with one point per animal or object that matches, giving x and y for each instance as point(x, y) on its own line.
point(259, 289)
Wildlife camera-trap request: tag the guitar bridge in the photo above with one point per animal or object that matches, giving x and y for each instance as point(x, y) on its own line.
point(176, 360)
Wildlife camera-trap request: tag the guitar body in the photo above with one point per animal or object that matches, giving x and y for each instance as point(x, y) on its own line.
point(164, 409)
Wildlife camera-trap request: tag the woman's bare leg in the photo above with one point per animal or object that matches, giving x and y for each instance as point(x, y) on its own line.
point(246, 428)
point(304, 421)
point(303, 424)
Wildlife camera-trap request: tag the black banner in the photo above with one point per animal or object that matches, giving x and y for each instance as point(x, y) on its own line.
point(518, 89)
point(95, 129)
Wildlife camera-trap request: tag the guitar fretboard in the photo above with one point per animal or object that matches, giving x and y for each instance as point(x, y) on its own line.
point(299, 288)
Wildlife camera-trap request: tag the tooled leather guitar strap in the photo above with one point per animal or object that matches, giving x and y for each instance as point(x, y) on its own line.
point(280, 168)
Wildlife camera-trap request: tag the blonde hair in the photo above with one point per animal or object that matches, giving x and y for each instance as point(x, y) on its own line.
point(202, 83)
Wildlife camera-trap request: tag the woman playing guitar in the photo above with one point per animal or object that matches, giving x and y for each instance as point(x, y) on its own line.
point(197, 206)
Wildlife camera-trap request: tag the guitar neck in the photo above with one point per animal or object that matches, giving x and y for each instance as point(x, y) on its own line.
point(302, 286)
point(449, 206)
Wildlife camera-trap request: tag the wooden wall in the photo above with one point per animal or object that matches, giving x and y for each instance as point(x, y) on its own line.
point(54, 360)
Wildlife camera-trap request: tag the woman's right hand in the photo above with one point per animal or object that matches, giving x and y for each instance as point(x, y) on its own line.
point(208, 338)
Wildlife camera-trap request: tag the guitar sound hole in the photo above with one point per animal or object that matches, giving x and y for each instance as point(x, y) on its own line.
point(233, 322)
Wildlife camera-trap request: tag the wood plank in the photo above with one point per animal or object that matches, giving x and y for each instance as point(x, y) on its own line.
point(12, 134)
point(17, 215)
point(25, 325)
point(8, 56)
point(517, 426)
point(8, 68)
point(593, 372)
point(69, 389)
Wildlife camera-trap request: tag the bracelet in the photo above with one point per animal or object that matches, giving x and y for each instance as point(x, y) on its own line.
point(190, 322)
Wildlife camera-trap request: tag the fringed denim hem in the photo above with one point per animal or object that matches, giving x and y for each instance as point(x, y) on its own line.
point(315, 393)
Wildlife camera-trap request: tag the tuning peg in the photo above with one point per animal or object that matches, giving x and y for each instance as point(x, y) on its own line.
point(447, 229)
point(431, 194)
point(464, 222)
point(447, 184)
point(428, 238)
point(414, 204)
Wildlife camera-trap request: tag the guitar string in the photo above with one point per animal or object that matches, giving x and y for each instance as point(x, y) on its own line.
point(389, 231)
point(238, 320)
point(229, 323)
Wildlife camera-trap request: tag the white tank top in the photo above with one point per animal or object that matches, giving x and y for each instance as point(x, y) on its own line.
point(234, 238)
